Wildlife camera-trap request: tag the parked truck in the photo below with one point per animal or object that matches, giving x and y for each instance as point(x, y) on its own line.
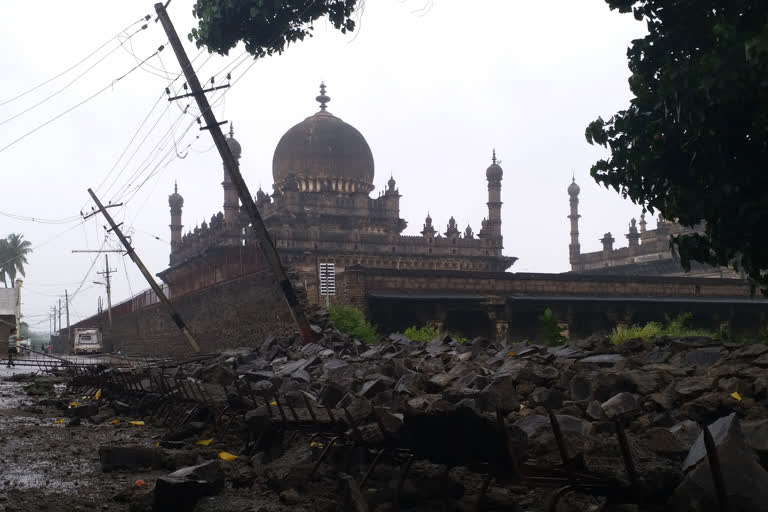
point(87, 341)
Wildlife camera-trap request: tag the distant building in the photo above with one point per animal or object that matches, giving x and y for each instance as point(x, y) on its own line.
point(8, 307)
point(320, 211)
point(647, 252)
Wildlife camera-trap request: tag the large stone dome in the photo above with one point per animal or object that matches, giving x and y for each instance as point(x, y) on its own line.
point(323, 153)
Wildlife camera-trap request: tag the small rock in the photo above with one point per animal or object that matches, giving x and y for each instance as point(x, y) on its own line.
point(290, 497)
point(621, 404)
point(129, 457)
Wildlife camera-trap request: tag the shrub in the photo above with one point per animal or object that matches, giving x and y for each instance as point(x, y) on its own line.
point(351, 321)
point(549, 329)
point(421, 334)
point(675, 328)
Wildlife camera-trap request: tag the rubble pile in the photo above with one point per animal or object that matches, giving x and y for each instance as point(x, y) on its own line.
point(480, 425)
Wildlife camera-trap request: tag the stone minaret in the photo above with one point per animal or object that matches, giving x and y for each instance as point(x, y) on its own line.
point(574, 248)
point(494, 174)
point(231, 201)
point(176, 202)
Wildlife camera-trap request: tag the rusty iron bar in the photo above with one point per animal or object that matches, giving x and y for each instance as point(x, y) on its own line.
point(401, 483)
point(309, 408)
point(290, 408)
point(351, 421)
point(555, 497)
point(280, 408)
point(372, 467)
point(323, 455)
point(512, 455)
point(561, 445)
point(626, 454)
point(483, 490)
point(715, 468)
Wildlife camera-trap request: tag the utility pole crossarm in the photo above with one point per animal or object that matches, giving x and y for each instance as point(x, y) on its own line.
point(233, 169)
point(152, 283)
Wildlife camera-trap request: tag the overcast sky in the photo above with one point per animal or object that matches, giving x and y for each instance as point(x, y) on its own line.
point(433, 86)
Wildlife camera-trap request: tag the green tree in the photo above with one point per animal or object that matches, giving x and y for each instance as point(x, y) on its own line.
point(13, 256)
point(693, 143)
point(265, 26)
point(549, 329)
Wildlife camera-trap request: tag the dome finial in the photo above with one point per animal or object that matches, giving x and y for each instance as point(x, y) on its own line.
point(175, 187)
point(323, 99)
point(493, 158)
point(231, 130)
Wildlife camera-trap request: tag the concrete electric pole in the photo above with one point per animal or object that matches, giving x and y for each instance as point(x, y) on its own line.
point(152, 283)
point(108, 282)
point(233, 169)
point(66, 302)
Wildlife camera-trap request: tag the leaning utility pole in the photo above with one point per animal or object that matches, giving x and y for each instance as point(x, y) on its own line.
point(233, 169)
point(108, 280)
point(59, 313)
point(158, 291)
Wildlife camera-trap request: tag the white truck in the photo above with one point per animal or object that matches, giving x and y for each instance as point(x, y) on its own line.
point(87, 341)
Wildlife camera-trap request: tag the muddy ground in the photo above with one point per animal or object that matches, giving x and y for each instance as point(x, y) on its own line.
point(48, 465)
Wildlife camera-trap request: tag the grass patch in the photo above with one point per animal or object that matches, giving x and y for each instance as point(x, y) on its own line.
point(421, 334)
point(675, 328)
point(350, 320)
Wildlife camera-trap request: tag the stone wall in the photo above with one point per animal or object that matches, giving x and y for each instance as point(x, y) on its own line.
point(570, 284)
point(232, 314)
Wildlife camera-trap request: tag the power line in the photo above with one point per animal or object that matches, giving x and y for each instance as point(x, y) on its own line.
point(111, 84)
point(145, 18)
point(78, 77)
point(64, 220)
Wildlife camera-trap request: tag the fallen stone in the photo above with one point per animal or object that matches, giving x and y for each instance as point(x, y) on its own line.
point(580, 388)
point(500, 393)
point(692, 342)
point(756, 433)
point(686, 432)
point(736, 385)
point(664, 442)
point(83, 411)
point(181, 490)
point(548, 398)
point(702, 357)
point(535, 423)
point(603, 359)
point(695, 386)
point(746, 482)
point(595, 412)
point(129, 457)
point(621, 404)
point(644, 382)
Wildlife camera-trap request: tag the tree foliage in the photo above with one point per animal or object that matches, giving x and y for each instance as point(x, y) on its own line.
point(693, 143)
point(265, 26)
point(549, 329)
point(13, 256)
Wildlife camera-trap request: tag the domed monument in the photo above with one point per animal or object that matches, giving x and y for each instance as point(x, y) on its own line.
point(321, 211)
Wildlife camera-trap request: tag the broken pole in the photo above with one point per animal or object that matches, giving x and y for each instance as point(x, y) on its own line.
point(233, 169)
point(152, 283)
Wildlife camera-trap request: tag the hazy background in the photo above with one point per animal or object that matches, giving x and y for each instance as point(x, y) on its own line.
point(433, 86)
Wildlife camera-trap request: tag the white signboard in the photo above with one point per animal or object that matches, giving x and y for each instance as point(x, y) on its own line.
point(327, 279)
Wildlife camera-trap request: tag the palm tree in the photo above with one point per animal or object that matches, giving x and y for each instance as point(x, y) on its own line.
point(5, 256)
point(16, 249)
